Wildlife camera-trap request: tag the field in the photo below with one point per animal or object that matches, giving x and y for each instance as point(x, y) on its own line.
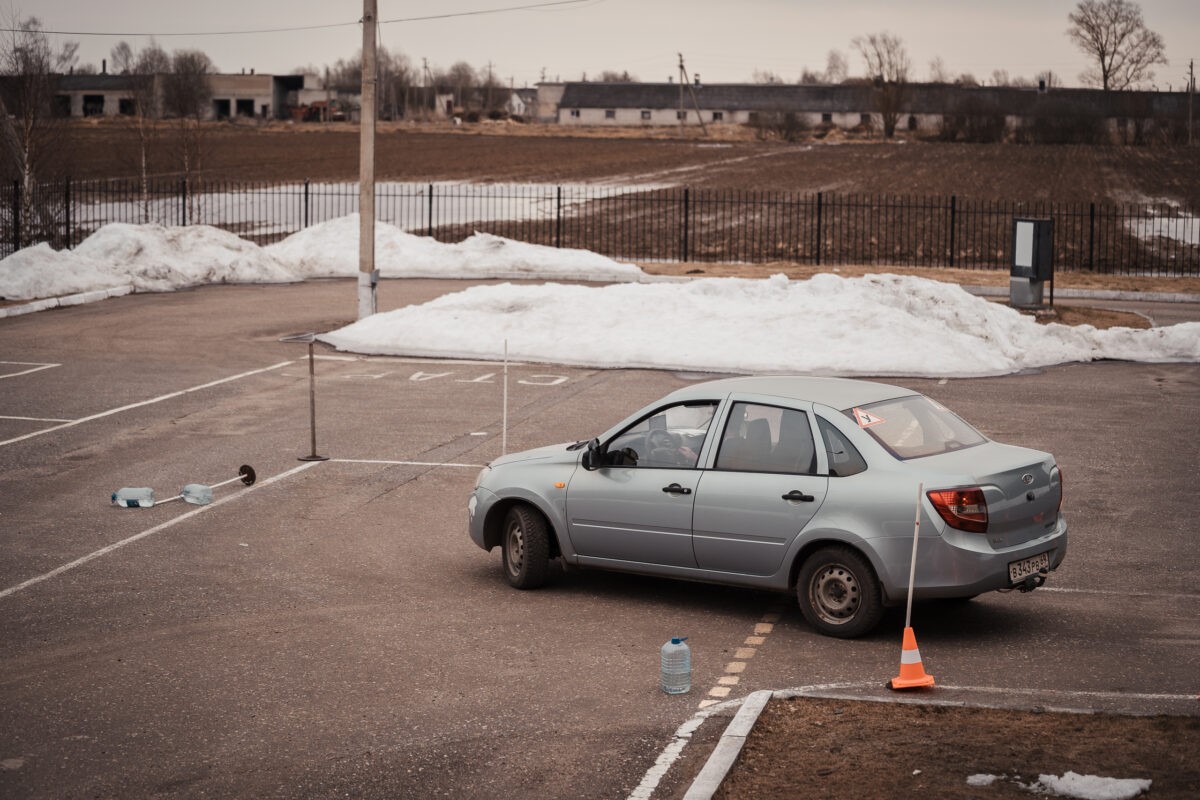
point(730, 159)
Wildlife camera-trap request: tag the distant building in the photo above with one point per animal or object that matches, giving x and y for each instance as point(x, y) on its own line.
point(922, 107)
point(245, 95)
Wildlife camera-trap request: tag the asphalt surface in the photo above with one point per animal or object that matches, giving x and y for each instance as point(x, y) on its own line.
point(332, 630)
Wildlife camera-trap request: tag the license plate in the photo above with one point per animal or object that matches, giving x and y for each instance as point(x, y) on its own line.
point(1020, 570)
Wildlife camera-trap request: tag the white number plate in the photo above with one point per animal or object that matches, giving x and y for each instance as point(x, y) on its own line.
point(1020, 570)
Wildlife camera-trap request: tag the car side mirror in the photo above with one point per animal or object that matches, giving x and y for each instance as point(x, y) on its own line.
point(593, 457)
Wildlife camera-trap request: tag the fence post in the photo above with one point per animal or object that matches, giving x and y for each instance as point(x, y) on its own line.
point(953, 219)
point(683, 242)
point(1092, 237)
point(183, 201)
point(558, 217)
point(819, 199)
point(16, 216)
point(67, 206)
point(306, 203)
point(429, 217)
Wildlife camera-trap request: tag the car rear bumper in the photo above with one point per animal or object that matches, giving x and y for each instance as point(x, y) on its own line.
point(955, 565)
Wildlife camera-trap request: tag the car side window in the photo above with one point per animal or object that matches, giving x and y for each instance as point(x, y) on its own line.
point(844, 458)
point(760, 438)
point(671, 437)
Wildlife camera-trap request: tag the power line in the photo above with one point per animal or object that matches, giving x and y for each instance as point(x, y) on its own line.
point(297, 28)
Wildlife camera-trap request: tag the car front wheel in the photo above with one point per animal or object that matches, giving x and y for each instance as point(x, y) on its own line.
point(526, 547)
point(839, 593)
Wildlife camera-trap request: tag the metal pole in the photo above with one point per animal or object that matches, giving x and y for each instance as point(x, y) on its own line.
point(558, 217)
point(312, 408)
point(16, 216)
point(912, 567)
point(818, 229)
point(504, 417)
point(67, 204)
point(368, 276)
point(953, 217)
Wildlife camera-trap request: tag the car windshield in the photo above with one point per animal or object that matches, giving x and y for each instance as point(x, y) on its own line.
point(915, 427)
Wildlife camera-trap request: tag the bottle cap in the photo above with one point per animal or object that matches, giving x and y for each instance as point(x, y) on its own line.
point(678, 639)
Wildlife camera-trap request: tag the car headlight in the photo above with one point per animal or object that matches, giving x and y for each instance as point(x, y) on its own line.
point(483, 472)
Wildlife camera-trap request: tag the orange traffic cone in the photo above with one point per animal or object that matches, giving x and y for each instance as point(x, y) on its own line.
point(912, 673)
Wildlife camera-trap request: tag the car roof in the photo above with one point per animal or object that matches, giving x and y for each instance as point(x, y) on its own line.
point(839, 393)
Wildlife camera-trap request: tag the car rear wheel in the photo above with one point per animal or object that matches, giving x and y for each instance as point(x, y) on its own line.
point(839, 593)
point(526, 547)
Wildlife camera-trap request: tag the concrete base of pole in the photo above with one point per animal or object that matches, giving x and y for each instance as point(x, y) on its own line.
point(367, 281)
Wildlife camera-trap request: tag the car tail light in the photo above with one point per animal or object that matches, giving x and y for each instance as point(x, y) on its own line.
point(965, 509)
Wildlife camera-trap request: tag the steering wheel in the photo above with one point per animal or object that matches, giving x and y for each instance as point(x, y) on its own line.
point(663, 447)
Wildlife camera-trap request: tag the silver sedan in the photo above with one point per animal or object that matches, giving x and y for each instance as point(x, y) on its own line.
point(789, 484)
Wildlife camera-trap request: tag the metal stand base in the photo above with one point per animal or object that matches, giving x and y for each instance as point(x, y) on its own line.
point(313, 457)
point(1025, 292)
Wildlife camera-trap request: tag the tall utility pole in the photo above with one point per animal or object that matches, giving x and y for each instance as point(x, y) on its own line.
point(1191, 93)
point(368, 276)
point(683, 81)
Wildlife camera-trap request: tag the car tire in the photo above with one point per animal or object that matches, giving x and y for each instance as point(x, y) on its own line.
point(839, 593)
point(525, 547)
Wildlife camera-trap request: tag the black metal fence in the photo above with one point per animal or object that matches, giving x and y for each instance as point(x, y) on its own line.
point(637, 223)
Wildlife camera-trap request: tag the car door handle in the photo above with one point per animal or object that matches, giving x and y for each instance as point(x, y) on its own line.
point(675, 488)
point(797, 496)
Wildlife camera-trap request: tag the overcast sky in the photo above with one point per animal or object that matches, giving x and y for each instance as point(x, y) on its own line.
point(722, 40)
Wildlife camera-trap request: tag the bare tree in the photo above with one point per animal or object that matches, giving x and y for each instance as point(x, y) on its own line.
point(808, 77)
point(612, 76)
point(187, 96)
point(145, 69)
point(29, 131)
point(887, 65)
point(460, 79)
point(938, 72)
point(837, 69)
point(765, 76)
point(122, 58)
point(1113, 34)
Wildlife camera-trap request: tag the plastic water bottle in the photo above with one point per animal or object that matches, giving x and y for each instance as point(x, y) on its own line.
point(676, 666)
point(198, 494)
point(133, 498)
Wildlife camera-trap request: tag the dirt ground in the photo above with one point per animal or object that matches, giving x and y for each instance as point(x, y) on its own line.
point(729, 158)
point(807, 747)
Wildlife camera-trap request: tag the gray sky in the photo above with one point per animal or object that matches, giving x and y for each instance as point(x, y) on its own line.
point(723, 41)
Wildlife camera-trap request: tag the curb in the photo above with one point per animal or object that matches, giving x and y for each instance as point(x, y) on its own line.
point(63, 302)
point(728, 748)
point(1095, 294)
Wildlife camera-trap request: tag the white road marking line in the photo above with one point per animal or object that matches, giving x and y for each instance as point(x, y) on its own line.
point(151, 531)
point(37, 367)
point(405, 463)
point(1117, 593)
point(36, 419)
point(151, 401)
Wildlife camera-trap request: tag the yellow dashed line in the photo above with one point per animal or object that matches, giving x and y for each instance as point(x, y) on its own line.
point(734, 669)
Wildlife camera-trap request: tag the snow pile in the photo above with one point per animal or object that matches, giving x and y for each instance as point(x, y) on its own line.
point(1090, 787)
point(151, 258)
point(875, 325)
point(331, 249)
point(154, 258)
point(1072, 784)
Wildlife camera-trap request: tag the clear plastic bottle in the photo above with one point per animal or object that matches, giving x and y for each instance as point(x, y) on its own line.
point(133, 498)
point(676, 666)
point(198, 494)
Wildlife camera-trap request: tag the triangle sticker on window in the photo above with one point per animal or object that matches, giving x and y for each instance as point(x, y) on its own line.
point(866, 419)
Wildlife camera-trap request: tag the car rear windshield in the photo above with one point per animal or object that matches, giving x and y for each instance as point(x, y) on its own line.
point(915, 427)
